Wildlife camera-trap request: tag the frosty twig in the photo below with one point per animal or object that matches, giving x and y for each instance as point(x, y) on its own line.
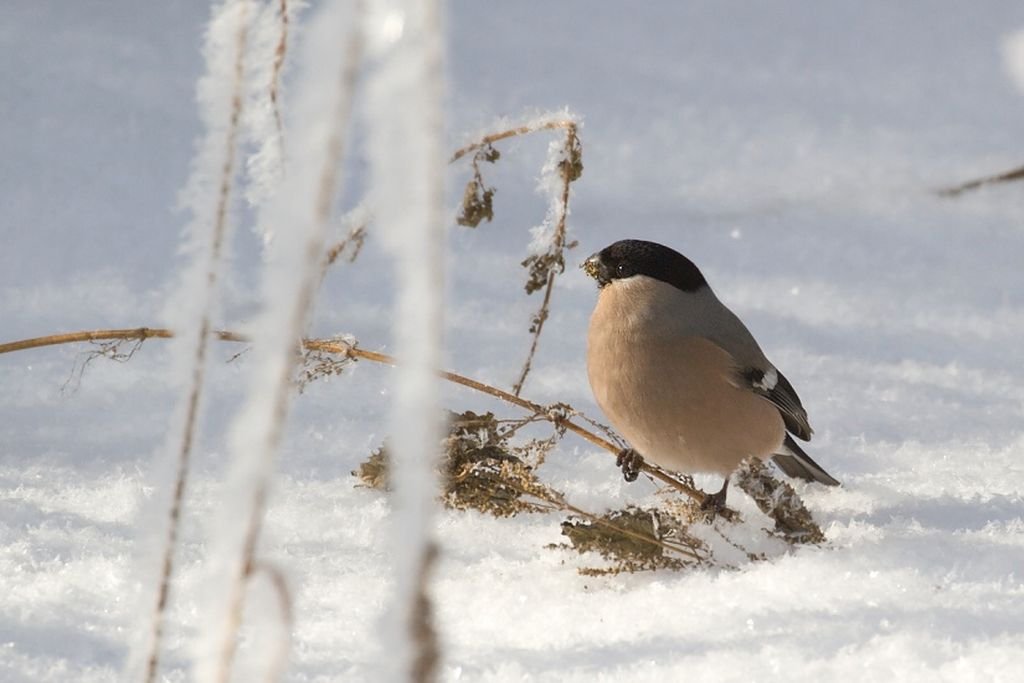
point(549, 261)
point(290, 281)
point(218, 151)
point(510, 133)
point(564, 166)
point(280, 51)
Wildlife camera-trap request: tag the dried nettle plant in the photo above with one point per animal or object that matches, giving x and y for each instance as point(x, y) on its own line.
point(563, 167)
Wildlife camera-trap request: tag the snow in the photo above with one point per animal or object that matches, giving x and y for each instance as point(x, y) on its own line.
point(790, 150)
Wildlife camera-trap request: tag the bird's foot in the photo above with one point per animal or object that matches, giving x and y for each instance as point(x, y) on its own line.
point(714, 503)
point(630, 462)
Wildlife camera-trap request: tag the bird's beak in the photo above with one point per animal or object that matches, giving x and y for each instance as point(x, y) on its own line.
point(596, 269)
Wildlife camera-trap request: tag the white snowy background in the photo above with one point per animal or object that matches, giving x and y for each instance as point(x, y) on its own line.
point(790, 149)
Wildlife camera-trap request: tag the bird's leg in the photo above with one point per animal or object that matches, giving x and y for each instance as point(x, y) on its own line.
point(630, 462)
point(715, 502)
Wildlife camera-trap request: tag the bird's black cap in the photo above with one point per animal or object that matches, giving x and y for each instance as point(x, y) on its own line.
point(627, 258)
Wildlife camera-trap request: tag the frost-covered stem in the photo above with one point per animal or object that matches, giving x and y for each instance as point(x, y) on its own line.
point(509, 133)
point(302, 210)
point(557, 247)
point(357, 231)
point(407, 193)
point(286, 614)
point(280, 51)
point(263, 124)
point(222, 140)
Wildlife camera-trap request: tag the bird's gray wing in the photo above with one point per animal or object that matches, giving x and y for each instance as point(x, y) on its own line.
point(715, 322)
point(795, 463)
point(774, 386)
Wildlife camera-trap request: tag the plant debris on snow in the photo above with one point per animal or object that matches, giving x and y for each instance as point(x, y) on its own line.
point(634, 539)
point(778, 500)
point(480, 469)
point(483, 470)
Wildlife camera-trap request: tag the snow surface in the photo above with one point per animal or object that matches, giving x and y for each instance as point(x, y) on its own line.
point(789, 149)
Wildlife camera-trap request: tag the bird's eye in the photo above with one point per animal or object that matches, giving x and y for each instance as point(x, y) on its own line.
point(623, 270)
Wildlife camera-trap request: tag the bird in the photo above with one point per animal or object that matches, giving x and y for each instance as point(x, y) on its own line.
point(681, 377)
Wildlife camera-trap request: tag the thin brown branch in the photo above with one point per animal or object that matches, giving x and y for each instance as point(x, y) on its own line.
point(131, 333)
point(1015, 174)
point(510, 133)
point(539, 318)
point(350, 351)
point(463, 151)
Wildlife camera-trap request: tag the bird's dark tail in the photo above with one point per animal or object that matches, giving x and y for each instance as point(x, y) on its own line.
point(795, 463)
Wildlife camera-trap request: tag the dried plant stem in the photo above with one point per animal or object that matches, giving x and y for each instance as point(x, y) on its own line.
point(357, 235)
point(542, 313)
point(539, 318)
point(490, 138)
point(1015, 174)
point(553, 417)
point(131, 333)
point(297, 313)
point(333, 346)
point(218, 231)
point(567, 124)
point(421, 621)
point(280, 52)
point(558, 247)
